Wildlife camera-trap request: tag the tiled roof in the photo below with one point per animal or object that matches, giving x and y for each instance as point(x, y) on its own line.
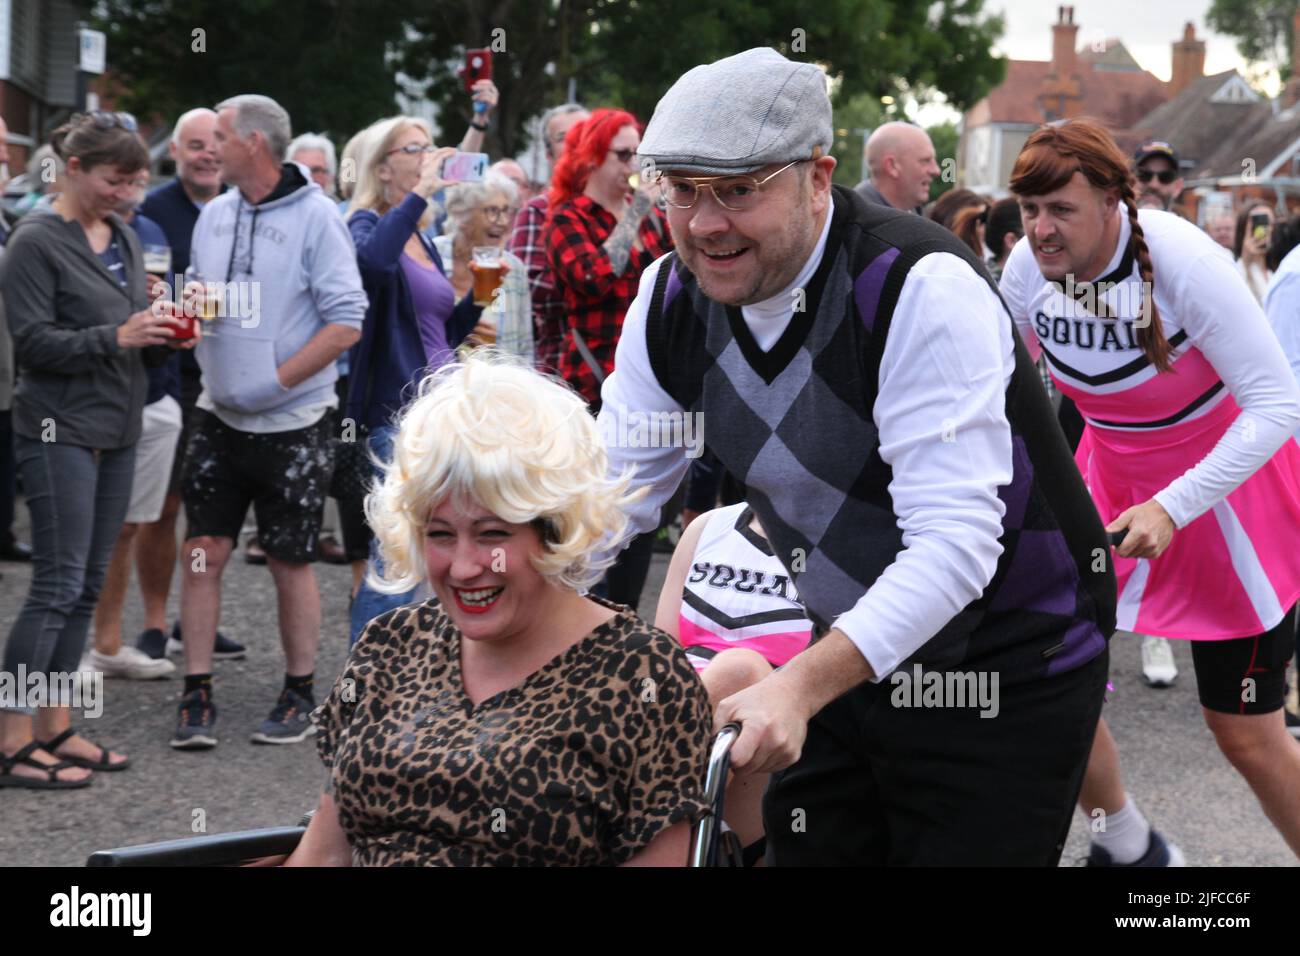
point(1116, 96)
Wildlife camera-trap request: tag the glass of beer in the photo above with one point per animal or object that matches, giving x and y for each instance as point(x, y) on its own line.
point(203, 301)
point(157, 260)
point(487, 274)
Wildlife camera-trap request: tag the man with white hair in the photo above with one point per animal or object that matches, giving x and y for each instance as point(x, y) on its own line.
point(902, 163)
point(315, 152)
point(289, 302)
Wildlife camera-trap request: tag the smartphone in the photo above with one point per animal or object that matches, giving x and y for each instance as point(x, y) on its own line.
point(465, 168)
point(1259, 224)
point(478, 66)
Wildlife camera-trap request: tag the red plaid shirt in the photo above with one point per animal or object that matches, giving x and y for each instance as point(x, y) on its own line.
point(596, 299)
point(549, 322)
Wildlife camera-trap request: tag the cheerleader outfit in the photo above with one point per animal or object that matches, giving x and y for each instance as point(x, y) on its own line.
point(738, 594)
point(1207, 439)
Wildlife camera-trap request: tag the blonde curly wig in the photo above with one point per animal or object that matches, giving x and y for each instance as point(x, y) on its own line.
point(524, 446)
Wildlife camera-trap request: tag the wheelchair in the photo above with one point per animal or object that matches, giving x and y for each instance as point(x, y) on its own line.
point(710, 844)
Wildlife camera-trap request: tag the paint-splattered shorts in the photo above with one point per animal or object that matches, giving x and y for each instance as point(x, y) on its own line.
point(284, 475)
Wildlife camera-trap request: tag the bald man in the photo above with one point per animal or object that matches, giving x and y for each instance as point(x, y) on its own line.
point(175, 206)
point(902, 163)
point(515, 173)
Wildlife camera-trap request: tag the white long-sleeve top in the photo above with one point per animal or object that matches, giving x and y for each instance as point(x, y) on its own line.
point(941, 416)
point(1198, 290)
point(1282, 307)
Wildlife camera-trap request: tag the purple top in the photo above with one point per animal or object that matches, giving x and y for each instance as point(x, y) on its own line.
point(433, 298)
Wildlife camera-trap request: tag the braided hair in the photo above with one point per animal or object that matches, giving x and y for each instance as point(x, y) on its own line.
point(1050, 158)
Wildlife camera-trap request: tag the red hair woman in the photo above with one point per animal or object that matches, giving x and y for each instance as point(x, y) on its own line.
point(604, 229)
point(1189, 404)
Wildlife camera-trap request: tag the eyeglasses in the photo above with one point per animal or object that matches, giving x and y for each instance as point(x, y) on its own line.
point(497, 212)
point(624, 155)
point(413, 149)
point(1166, 176)
point(106, 120)
point(736, 193)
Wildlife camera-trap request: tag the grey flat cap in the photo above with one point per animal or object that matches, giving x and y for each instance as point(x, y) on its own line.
point(740, 114)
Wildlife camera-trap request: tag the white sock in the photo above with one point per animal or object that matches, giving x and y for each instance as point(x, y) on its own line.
point(1127, 834)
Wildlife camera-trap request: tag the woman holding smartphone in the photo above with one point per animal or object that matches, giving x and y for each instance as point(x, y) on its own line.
point(75, 291)
point(415, 322)
point(1250, 246)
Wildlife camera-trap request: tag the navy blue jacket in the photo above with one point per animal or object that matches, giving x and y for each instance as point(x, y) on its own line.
point(389, 359)
point(176, 213)
point(166, 378)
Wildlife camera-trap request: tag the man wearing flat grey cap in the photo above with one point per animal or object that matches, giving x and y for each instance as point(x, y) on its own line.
point(854, 368)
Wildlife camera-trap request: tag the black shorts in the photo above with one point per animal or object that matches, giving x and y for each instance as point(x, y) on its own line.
point(1245, 675)
point(878, 784)
point(285, 475)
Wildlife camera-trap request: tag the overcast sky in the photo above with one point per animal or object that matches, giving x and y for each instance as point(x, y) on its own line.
point(1147, 29)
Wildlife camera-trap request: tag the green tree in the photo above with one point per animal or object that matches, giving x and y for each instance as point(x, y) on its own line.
point(1262, 29)
point(944, 136)
point(322, 60)
point(626, 53)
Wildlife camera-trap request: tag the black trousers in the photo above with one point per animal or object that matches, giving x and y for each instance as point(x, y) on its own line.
point(879, 784)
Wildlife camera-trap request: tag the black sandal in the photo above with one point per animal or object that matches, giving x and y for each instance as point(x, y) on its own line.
point(101, 764)
point(10, 779)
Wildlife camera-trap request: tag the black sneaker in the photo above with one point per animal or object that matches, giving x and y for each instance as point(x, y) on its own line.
point(1292, 723)
point(1160, 852)
point(289, 722)
point(152, 642)
point(225, 649)
point(195, 729)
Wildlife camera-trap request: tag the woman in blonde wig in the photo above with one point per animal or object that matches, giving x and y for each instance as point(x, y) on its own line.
point(511, 720)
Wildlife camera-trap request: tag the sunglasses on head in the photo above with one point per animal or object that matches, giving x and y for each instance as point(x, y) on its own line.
point(1166, 176)
point(103, 119)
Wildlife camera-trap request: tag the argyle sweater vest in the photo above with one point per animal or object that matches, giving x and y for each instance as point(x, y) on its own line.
point(795, 424)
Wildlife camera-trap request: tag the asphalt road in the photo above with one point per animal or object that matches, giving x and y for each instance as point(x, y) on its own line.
point(1172, 766)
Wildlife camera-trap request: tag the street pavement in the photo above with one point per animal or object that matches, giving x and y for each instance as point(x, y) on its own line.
point(1171, 764)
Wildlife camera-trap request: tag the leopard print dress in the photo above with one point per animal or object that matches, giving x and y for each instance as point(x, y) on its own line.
point(581, 764)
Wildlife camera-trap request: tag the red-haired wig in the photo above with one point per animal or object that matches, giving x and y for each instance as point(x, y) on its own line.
point(1051, 157)
point(585, 147)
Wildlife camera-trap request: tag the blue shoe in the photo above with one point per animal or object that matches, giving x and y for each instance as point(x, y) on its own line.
point(290, 720)
point(152, 642)
point(194, 730)
point(1160, 852)
point(225, 649)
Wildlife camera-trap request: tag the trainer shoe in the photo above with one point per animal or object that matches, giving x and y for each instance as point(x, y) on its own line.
point(152, 643)
point(1158, 667)
point(225, 649)
point(129, 662)
point(1292, 723)
point(195, 729)
point(1160, 852)
point(289, 721)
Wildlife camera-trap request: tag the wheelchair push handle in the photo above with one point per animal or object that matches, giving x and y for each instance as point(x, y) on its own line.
point(704, 844)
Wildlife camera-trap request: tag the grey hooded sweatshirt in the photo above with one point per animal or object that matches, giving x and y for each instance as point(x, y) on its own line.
point(77, 385)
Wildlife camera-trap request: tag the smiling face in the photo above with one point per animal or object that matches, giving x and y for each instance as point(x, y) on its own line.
point(481, 570)
point(489, 223)
point(195, 152)
point(740, 258)
point(1069, 229)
